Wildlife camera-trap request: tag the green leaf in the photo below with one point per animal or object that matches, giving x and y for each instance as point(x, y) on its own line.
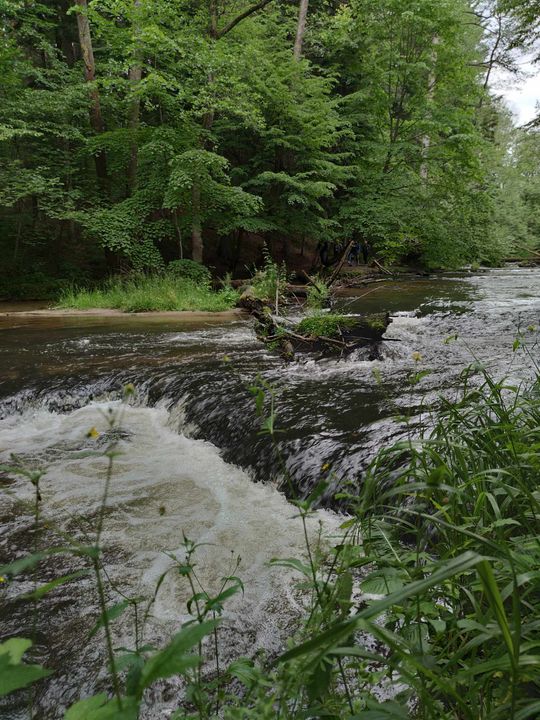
point(292, 563)
point(383, 711)
point(344, 588)
point(494, 596)
point(44, 589)
point(331, 637)
point(173, 660)
point(244, 670)
point(319, 682)
point(110, 614)
point(30, 561)
point(14, 674)
point(15, 649)
point(383, 582)
point(99, 707)
point(531, 711)
point(215, 604)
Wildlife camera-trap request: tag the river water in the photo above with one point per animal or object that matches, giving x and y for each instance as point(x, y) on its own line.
point(192, 458)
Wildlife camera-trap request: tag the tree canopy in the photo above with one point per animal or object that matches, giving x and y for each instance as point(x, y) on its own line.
point(136, 132)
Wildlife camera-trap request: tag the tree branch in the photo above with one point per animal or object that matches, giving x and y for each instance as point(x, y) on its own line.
point(253, 9)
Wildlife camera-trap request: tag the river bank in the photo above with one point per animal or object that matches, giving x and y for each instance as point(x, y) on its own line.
point(183, 315)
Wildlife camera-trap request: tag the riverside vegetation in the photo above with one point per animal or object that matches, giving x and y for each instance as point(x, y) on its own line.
point(145, 133)
point(431, 592)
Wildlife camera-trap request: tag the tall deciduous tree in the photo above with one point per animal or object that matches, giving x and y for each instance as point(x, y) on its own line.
point(87, 52)
point(202, 124)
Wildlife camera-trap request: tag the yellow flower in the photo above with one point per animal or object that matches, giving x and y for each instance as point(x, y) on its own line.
point(326, 467)
point(416, 356)
point(129, 389)
point(92, 433)
point(2, 579)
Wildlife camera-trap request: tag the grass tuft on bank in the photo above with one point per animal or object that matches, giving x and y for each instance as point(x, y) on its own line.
point(150, 293)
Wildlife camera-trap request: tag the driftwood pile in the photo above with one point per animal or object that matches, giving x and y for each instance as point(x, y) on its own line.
point(281, 335)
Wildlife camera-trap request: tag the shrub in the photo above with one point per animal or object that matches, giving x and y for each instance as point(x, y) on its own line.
point(269, 281)
point(190, 270)
point(318, 294)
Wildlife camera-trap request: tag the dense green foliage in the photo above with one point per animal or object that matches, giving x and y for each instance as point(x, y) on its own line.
point(137, 133)
point(429, 595)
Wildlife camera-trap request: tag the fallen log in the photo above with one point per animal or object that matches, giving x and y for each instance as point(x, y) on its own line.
point(289, 339)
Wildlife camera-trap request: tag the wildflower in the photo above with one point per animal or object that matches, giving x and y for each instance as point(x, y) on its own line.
point(226, 358)
point(2, 579)
point(416, 356)
point(129, 389)
point(92, 433)
point(326, 467)
point(531, 328)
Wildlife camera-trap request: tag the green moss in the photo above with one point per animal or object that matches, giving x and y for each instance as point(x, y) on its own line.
point(325, 324)
point(376, 323)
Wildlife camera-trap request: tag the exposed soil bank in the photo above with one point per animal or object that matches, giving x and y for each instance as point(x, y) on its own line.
point(194, 315)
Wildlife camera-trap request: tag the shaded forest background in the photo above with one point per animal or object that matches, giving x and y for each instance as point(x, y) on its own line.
point(136, 132)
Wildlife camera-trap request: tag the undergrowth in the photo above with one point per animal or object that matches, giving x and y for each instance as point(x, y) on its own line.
point(146, 293)
point(269, 282)
point(318, 293)
point(430, 597)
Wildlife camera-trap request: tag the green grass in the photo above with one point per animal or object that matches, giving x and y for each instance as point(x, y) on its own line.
point(324, 324)
point(152, 293)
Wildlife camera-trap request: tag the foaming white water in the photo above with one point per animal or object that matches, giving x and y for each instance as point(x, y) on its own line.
point(165, 485)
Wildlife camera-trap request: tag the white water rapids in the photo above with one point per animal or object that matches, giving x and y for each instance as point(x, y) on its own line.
point(164, 485)
point(332, 412)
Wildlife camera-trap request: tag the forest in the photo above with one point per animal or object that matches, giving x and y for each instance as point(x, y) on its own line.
point(135, 133)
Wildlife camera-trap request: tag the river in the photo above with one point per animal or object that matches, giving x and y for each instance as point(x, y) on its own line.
point(193, 459)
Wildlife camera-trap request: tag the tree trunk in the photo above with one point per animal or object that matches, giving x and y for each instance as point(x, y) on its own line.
point(300, 29)
point(96, 119)
point(178, 234)
point(196, 231)
point(135, 75)
point(426, 140)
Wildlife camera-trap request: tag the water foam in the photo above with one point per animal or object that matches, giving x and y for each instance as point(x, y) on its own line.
point(166, 485)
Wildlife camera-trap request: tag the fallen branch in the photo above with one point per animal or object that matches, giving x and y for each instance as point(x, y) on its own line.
point(340, 264)
point(381, 267)
point(311, 281)
point(526, 249)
